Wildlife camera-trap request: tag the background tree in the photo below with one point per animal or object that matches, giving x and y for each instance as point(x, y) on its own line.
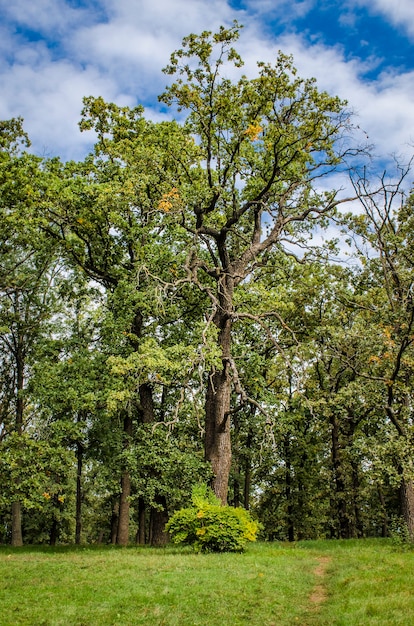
point(29, 277)
point(383, 294)
point(111, 216)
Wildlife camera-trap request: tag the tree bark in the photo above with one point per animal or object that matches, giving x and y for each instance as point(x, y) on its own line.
point(340, 502)
point(140, 537)
point(17, 537)
point(217, 407)
point(54, 533)
point(407, 504)
point(16, 508)
point(248, 472)
point(122, 537)
point(159, 518)
point(384, 526)
point(78, 523)
point(236, 488)
point(288, 490)
point(217, 432)
point(124, 502)
point(114, 521)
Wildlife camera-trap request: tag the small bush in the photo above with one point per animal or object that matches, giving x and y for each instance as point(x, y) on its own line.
point(210, 527)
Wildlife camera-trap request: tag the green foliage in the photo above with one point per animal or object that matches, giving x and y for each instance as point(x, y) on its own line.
point(32, 471)
point(400, 534)
point(160, 262)
point(210, 527)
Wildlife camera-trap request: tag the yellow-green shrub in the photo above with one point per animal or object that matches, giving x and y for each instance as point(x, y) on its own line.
point(210, 527)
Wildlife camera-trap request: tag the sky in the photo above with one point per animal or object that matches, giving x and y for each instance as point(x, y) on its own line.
point(55, 52)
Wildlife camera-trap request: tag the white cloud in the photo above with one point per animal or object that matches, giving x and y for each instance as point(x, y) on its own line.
point(49, 98)
point(45, 16)
point(137, 40)
point(119, 52)
point(399, 12)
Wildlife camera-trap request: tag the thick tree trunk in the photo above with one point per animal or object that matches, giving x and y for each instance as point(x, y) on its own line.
point(217, 437)
point(122, 537)
point(407, 504)
point(146, 401)
point(217, 443)
point(16, 538)
point(159, 518)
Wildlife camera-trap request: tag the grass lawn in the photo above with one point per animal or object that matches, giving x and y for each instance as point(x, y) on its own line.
point(361, 583)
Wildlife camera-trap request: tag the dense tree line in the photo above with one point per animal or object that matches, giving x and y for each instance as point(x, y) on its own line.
point(169, 315)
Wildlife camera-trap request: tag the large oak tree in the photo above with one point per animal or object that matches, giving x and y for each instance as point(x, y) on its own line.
point(263, 146)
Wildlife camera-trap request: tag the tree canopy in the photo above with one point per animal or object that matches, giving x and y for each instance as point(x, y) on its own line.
point(168, 317)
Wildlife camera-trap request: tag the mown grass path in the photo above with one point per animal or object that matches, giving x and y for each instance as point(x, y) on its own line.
point(319, 592)
point(361, 583)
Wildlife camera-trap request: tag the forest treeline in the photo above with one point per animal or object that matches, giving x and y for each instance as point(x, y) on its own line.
point(174, 310)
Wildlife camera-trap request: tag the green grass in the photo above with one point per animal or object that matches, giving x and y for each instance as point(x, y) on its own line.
point(366, 582)
point(369, 583)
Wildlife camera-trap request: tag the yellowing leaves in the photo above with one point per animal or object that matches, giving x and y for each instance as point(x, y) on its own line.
point(168, 200)
point(253, 131)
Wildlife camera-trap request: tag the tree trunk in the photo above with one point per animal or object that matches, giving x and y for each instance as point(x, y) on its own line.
point(54, 533)
point(217, 445)
point(114, 521)
point(159, 518)
point(17, 538)
point(247, 472)
point(236, 487)
point(288, 490)
point(78, 523)
point(16, 508)
point(340, 502)
point(124, 503)
point(217, 437)
point(146, 401)
point(384, 526)
point(359, 524)
point(140, 537)
point(122, 537)
point(407, 504)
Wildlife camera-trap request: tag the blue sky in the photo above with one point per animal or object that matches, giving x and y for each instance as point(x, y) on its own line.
point(54, 52)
